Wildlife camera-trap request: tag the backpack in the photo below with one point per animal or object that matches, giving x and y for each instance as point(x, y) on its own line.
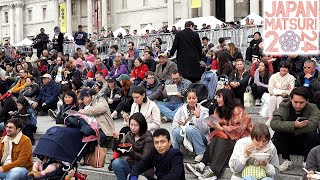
point(202, 91)
point(210, 80)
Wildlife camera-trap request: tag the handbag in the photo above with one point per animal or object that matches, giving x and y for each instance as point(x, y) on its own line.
point(254, 171)
point(248, 97)
point(97, 158)
point(186, 143)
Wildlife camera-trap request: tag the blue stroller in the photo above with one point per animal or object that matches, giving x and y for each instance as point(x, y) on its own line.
point(62, 144)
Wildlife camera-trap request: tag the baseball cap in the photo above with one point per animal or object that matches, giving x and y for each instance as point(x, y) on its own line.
point(46, 76)
point(123, 77)
point(163, 55)
point(110, 79)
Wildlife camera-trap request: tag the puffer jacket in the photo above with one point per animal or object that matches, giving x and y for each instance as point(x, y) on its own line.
point(31, 91)
point(156, 89)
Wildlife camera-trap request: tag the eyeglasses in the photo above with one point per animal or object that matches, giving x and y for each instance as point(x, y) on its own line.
point(306, 67)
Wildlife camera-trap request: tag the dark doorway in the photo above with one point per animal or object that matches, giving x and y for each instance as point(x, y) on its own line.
point(220, 10)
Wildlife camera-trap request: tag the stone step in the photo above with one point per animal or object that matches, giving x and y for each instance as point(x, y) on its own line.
point(253, 110)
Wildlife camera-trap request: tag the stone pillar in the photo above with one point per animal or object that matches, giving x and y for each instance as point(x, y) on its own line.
point(56, 13)
point(90, 16)
point(254, 6)
point(229, 10)
point(170, 13)
point(11, 23)
point(69, 17)
point(19, 22)
point(185, 8)
point(1, 26)
point(104, 14)
point(206, 8)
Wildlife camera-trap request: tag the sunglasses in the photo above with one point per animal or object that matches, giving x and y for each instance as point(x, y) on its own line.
point(306, 67)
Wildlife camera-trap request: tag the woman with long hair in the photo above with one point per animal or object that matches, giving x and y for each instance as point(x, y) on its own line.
point(126, 100)
point(147, 107)
point(142, 143)
point(231, 123)
point(233, 52)
point(29, 117)
point(239, 79)
point(261, 80)
point(224, 65)
point(189, 119)
point(118, 68)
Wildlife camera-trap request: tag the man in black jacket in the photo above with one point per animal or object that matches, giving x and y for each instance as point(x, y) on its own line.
point(167, 161)
point(41, 41)
point(188, 46)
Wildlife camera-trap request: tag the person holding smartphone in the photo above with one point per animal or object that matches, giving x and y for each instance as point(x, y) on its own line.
point(295, 123)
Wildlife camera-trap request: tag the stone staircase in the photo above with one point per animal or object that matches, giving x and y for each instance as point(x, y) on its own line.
point(103, 173)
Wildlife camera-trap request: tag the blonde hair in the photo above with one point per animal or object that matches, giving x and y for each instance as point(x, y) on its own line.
point(232, 50)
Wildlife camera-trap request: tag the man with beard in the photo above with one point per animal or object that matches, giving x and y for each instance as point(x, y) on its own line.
point(40, 42)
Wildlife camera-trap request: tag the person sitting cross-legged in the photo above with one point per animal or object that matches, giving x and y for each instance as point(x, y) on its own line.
point(170, 107)
point(189, 123)
point(295, 124)
point(242, 164)
point(166, 160)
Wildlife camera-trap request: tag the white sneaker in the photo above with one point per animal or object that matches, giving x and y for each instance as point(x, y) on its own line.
point(196, 169)
point(198, 158)
point(304, 164)
point(286, 165)
point(257, 102)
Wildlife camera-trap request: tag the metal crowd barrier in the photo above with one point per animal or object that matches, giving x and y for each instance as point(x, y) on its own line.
point(241, 37)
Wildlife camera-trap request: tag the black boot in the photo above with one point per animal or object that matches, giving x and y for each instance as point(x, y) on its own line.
point(110, 165)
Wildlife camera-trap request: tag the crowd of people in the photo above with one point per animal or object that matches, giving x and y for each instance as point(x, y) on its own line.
point(137, 89)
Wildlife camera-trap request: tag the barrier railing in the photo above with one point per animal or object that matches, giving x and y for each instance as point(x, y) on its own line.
point(241, 37)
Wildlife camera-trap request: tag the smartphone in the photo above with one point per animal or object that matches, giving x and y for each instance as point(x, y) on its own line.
point(301, 119)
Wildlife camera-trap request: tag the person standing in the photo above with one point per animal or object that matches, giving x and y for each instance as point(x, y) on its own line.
point(40, 42)
point(188, 46)
point(57, 40)
point(80, 38)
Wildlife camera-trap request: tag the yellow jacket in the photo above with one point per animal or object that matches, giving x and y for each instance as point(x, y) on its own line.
point(21, 84)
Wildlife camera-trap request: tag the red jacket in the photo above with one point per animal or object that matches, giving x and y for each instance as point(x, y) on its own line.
point(99, 68)
point(139, 72)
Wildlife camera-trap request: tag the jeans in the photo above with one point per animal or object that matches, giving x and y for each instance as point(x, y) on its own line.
point(121, 168)
point(168, 109)
point(197, 139)
point(253, 178)
point(17, 173)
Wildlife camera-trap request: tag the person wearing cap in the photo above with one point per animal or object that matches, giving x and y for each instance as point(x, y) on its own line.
point(113, 93)
point(80, 38)
point(126, 98)
point(21, 84)
point(40, 42)
point(165, 68)
point(57, 40)
point(188, 46)
point(48, 96)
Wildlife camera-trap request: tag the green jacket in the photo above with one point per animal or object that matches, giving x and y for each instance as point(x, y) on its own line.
point(280, 120)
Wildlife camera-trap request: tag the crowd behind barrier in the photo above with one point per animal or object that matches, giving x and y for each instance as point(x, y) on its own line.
point(241, 37)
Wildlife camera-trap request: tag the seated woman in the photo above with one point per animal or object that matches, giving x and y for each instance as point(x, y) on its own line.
point(69, 103)
point(118, 68)
point(138, 71)
point(279, 87)
point(231, 123)
point(224, 65)
point(190, 120)
point(240, 161)
point(30, 117)
point(126, 99)
point(97, 108)
point(142, 144)
point(146, 107)
point(261, 80)
point(238, 80)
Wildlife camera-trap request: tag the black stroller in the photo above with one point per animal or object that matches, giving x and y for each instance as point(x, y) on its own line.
point(62, 144)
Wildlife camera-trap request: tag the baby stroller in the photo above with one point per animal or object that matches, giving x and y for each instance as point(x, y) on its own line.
point(62, 144)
